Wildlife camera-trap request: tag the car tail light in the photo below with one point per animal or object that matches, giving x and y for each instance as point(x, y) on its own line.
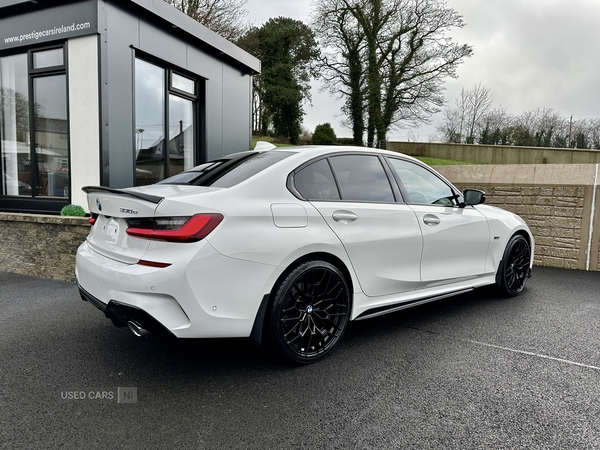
point(92, 219)
point(175, 229)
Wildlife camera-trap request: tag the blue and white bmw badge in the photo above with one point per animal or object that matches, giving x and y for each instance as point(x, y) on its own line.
point(99, 205)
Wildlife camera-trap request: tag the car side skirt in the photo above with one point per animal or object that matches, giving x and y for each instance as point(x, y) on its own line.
point(366, 307)
point(375, 312)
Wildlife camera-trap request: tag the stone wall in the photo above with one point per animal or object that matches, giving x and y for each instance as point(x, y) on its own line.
point(556, 201)
point(41, 245)
point(497, 154)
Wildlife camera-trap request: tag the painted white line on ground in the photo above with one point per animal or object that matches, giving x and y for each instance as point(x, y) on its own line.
point(538, 355)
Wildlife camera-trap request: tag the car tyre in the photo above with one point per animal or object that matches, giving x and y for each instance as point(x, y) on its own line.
point(308, 312)
point(514, 269)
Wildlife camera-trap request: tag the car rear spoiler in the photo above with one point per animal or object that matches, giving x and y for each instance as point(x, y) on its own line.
point(147, 197)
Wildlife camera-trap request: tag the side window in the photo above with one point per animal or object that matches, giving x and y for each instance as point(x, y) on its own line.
point(421, 185)
point(315, 182)
point(362, 178)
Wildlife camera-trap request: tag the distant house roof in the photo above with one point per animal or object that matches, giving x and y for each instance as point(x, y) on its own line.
point(169, 13)
point(49, 125)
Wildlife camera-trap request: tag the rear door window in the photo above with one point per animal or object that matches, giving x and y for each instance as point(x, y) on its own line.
point(316, 182)
point(362, 178)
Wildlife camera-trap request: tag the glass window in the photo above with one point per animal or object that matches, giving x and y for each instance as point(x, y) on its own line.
point(183, 83)
point(51, 135)
point(149, 122)
point(190, 177)
point(423, 186)
point(14, 126)
point(181, 134)
point(316, 182)
point(34, 150)
point(248, 168)
point(228, 171)
point(362, 178)
point(165, 128)
point(48, 58)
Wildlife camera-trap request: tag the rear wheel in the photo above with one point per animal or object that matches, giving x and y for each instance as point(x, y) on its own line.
point(514, 269)
point(308, 313)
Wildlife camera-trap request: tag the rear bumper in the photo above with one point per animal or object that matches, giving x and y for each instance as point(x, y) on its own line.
point(120, 314)
point(203, 294)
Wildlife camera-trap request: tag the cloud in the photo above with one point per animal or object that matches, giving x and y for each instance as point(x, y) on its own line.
point(532, 54)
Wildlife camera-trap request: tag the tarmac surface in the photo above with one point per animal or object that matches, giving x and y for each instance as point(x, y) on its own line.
point(470, 372)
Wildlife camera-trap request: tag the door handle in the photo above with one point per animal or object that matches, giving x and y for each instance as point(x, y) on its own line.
point(431, 220)
point(344, 216)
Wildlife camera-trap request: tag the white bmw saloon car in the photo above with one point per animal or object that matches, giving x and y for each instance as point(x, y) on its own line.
point(288, 245)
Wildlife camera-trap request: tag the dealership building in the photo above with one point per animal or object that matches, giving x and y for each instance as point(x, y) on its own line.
point(114, 93)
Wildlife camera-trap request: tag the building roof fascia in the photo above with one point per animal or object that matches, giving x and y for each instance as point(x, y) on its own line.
point(182, 21)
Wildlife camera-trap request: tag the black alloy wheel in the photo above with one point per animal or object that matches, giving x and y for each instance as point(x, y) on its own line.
point(308, 313)
point(514, 269)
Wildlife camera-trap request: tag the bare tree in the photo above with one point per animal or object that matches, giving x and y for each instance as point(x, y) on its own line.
point(542, 127)
point(341, 64)
point(392, 56)
point(594, 133)
point(225, 17)
point(495, 128)
point(470, 108)
point(473, 120)
point(450, 127)
point(479, 102)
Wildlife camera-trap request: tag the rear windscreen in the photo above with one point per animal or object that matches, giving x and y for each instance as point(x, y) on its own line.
point(228, 171)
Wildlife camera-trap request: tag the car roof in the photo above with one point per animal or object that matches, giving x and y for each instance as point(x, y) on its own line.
point(312, 151)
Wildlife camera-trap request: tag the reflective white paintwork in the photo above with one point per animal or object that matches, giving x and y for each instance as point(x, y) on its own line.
point(391, 252)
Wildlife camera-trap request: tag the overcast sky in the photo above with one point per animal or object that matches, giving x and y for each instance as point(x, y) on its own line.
point(529, 53)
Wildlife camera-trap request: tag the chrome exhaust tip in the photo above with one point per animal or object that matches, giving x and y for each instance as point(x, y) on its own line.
point(137, 329)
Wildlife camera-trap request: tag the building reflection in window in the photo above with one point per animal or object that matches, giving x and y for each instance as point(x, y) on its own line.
point(39, 168)
point(156, 87)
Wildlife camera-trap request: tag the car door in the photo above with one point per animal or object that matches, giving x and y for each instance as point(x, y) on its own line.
point(455, 239)
point(381, 235)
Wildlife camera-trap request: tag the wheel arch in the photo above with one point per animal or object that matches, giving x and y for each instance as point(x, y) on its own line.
point(519, 232)
point(525, 234)
point(529, 237)
point(257, 329)
point(501, 282)
point(324, 256)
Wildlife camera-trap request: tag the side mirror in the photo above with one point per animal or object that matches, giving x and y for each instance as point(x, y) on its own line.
point(473, 197)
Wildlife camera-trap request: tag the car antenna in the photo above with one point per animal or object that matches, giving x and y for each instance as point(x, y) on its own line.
point(263, 145)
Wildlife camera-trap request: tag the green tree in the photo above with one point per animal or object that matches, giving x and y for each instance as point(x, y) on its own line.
point(403, 57)
point(286, 48)
point(324, 135)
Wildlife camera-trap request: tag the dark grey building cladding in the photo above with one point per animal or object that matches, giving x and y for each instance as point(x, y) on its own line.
point(154, 29)
point(149, 92)
point(22, 24)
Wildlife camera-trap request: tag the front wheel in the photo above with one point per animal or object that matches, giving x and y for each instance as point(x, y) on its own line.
point(514, 268)
point(308, 313)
